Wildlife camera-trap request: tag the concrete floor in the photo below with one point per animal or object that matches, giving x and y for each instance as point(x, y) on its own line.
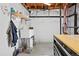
point(40, 49)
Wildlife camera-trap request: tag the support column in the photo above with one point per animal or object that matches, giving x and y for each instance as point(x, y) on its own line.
point(75, 21)
point(65, 19)
point(60, 19)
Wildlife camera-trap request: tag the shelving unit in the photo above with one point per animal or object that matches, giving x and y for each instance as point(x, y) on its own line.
point(17, 14)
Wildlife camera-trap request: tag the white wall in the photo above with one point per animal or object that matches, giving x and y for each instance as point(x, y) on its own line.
point(4, 22)
point(54, 12)
point(44, 28)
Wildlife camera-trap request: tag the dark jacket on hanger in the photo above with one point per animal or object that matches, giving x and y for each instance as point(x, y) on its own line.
point(12, 34)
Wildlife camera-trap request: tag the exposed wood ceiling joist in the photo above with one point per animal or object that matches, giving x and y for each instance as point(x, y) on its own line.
point(44, 6)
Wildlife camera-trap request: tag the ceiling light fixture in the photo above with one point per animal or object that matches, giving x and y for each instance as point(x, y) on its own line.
point(47, 4)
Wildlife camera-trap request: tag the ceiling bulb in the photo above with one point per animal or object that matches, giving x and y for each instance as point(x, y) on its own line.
point(47, 4)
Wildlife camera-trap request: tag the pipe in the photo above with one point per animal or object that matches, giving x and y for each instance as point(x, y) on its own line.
point(65, 19)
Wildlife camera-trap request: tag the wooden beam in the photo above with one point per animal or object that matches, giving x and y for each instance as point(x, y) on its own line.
point(70, 5)
point(41, 5)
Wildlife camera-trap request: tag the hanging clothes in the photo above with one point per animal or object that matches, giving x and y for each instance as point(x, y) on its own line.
point(12, 34)
point(9, 34)
point(17, 22)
